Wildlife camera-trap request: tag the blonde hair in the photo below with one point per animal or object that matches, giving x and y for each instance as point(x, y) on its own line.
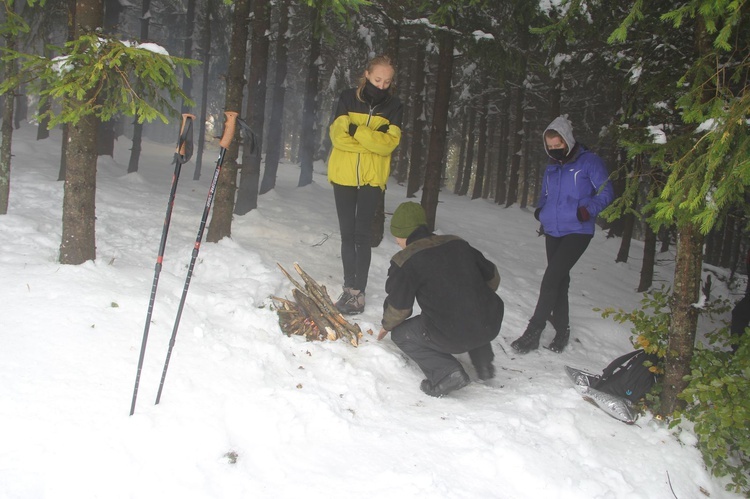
point(378, 60)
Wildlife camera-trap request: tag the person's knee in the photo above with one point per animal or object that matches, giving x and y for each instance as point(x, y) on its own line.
point(361, 239)
point(399, 335)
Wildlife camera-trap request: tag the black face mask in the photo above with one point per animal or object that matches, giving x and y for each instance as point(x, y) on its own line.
point(373, 94)
point(558, 154)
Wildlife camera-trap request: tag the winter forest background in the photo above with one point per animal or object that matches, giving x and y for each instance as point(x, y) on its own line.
point(660, 91)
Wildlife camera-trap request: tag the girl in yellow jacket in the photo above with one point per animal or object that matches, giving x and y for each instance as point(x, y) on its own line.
point(366, 128)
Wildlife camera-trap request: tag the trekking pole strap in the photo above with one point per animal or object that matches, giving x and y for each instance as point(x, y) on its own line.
point(185, 143)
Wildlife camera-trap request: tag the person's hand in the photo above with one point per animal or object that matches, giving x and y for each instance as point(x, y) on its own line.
point(536, 213)
point(382, 334)
point(383, 128)
point(583, 214)
point(352, 129)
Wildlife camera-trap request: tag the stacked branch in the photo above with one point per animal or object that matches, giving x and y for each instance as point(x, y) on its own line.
point(312, 314)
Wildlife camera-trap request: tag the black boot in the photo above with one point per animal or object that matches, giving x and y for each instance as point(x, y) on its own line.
point(485, 371)
point(351, 302)
point(454, 381)
point(529, 340)
point(560, 341)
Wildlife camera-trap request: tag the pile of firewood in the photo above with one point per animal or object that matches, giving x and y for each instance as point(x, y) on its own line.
point(312, 314)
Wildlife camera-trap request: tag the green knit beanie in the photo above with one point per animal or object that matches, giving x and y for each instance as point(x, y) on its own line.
point(407, 217)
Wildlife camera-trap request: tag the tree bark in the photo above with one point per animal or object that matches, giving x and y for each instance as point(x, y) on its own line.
point(71, 14)
point(274, 143)
point(255, 111)
point(501, 186)
point(468, 139)
point(627, 236)
point(416, 165)
point(519, 93)
point(649, 260)
point(310, 107)
point(687, 281)
point(7, 128)
point(202, 119)
point(187, 52)
point(461, 168)
point(79, 199)
point(221, 221)
point(135, 148)
point(481, 145)
point(436, 151)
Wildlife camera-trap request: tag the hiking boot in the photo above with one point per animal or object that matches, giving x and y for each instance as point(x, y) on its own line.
point(351, 302)
point(528, 341)
point(560, 341)
point(454, 381)
point(485, 372)
point(343, 298)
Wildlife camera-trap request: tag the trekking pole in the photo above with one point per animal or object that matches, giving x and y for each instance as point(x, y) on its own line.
point(226, 140)
point(182, 155)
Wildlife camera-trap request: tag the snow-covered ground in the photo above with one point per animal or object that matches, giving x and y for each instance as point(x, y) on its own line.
point(247, 411)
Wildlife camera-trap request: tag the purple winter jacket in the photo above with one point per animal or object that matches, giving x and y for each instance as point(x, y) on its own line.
point(581, 180)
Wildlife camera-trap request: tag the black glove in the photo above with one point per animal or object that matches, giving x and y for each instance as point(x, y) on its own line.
point(536, 213)
point(583, 214)
point(352, 129)
point(383, 128)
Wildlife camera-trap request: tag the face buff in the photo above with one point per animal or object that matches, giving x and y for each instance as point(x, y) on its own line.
point(558, 154)
point(374, 94)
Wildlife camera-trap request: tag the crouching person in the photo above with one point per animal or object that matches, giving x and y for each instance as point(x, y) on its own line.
point(454, 285)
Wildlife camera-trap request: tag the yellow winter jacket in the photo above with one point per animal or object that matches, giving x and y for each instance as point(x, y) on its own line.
point(365, 157)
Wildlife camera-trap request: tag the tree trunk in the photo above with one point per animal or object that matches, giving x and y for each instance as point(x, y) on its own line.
point(526, 183)
point(729, 235)
point(202, 119)
point(649, 260)
point(491, 172)
point(310, 107)
point(416, 167)
point(71, 14)
point(221, 221)
point(436, 150)
point(79, 199)
point(519, 92)
point(7, 128)
point(687, 281)
point(105, 145)
point(627, 236)
point(461, 168)
point(274, 143)
point(501, 186)
point(255, 111)
point(136, 144)
point(469, 161)
point(22, 107)
point(481, 146)
point(187, 52)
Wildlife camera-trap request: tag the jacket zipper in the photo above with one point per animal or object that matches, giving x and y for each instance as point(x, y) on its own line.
point(359, 155)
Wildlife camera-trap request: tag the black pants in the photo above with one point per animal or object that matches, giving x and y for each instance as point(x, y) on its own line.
point(411, 336)
point(562, 254)
point(355, 207)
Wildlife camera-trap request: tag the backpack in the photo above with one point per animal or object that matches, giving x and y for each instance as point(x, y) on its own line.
point(627, 377)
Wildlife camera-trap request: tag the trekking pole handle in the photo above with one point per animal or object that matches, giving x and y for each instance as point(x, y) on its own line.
point(229, 126)
point(186, 119)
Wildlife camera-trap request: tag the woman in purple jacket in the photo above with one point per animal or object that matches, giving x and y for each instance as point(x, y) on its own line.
point(574, 190)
